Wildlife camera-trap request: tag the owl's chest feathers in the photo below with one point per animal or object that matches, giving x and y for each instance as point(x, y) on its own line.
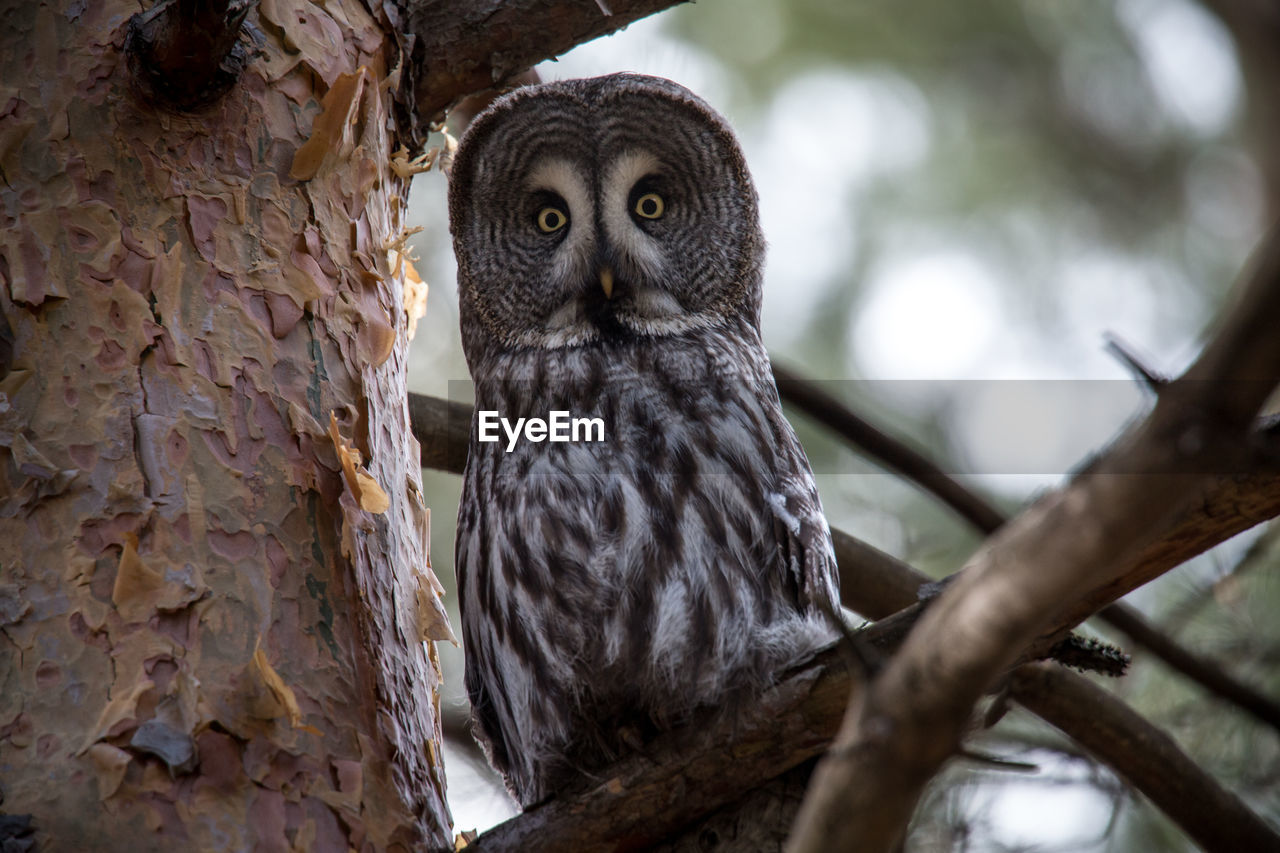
point(653, 550)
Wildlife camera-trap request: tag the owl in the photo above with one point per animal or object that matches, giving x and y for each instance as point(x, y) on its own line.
point(609, 267)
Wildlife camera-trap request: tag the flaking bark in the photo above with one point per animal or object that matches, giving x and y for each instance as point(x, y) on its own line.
point(210, 637)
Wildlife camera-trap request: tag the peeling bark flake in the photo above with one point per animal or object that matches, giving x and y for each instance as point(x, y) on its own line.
point(205, 611)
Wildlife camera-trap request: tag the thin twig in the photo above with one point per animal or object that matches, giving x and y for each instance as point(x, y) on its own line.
point(1206, 672)
point(894, 454)
point(1125, 354)
point(1143, 755)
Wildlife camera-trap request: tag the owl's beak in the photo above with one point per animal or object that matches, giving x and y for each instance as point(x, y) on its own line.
point(606, 282)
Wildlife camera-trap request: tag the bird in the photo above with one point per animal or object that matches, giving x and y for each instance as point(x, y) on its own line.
point(610, 266)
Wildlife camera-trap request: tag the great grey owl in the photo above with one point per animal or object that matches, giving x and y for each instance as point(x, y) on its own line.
point(609, 266)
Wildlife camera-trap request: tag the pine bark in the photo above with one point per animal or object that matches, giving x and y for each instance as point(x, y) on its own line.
point(210, 634)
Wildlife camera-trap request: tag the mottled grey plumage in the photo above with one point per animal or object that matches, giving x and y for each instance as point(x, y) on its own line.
point(682, 560)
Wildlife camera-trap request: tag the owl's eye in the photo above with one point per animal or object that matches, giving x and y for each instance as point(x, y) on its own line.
point(552, 219)
point(650, 206)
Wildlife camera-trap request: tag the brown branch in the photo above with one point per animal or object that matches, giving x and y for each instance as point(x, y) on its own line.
point(810, 399)
point(443, 429)
point(1146, 757)
point(1063, 558)
point(689, 772)
point(872, 582)
point(875, 585)
point(186, 53)
point(1255, 27)
point(454, 53)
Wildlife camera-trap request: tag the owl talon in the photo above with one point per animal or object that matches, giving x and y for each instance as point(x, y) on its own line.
point(631, 738)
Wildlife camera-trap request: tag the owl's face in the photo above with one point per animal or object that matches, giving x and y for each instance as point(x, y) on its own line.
point(605, 209)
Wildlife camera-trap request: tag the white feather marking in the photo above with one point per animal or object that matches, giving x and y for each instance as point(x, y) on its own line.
point(778, 502)
point(653, 304)
point(623, 232)
point(667, 325)
point(672, 624)
point(574, 254)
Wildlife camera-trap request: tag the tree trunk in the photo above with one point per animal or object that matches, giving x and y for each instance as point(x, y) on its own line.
point(210, 633)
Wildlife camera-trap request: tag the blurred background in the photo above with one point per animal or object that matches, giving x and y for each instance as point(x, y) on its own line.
point(961, 200)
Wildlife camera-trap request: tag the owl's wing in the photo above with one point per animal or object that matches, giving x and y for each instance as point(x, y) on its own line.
point(804, 538)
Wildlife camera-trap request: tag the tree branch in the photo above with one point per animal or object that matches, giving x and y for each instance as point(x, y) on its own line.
point(688, 772)
point(875, 584)
point(1086, 536)
point(1146, 757)
point(442, 428)
point(453, 54)
point(810, 399)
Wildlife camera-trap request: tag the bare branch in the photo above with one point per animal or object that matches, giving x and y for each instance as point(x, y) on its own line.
point(689, 772)
point(443, 429)
point(454, 52)
point(1144, 756)
point(872, 582)
point(1059, 561)
point(892, 453)
point(895, 455)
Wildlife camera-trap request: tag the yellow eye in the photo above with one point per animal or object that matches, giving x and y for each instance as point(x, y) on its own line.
point(650, 206)
point(552, 219)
